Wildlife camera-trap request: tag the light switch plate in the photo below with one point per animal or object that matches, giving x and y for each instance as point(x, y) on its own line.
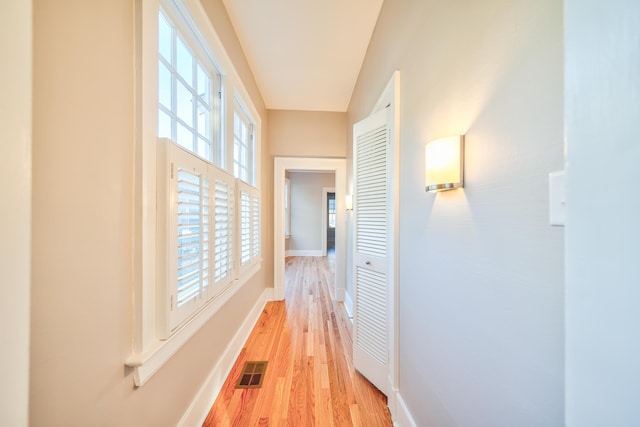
point(557, 201)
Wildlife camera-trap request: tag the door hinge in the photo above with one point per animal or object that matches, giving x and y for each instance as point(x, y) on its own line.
point(171, 302)
point(171, 170)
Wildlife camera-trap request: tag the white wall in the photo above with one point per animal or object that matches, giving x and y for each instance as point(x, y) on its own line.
point(306, 210)
point(15, 209)
point(602, 93)
point(481, 271)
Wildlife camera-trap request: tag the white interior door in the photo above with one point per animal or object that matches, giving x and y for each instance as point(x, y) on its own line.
point(373, 240)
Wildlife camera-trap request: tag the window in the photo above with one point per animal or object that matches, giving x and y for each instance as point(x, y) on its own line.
point(189, 91)
point(331, 210)
point(188, 218)
point(243, 166)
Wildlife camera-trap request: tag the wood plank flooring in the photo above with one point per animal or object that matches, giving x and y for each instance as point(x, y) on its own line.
point(310, 379)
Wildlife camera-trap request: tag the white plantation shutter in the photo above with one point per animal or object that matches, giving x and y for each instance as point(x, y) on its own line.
point(199, 227)
point(245, 228)
point(223, 226)
point(189, 234)
point(249, 230)
point(209, 232)
point(192, 235)
point(256, 227)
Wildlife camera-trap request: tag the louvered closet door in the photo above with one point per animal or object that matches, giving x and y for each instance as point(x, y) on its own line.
point(372, 233)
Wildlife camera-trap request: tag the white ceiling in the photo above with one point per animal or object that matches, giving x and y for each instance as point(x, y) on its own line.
point(305, 54)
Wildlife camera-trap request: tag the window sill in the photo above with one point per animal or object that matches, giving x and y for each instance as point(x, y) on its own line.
point(148, 362)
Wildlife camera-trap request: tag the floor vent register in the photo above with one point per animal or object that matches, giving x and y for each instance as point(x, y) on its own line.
point(252, 375)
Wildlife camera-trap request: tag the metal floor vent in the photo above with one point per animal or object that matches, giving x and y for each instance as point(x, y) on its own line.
point(252, 375)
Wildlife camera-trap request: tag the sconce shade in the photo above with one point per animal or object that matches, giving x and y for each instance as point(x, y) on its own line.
point(349, 202)
point(444, 163)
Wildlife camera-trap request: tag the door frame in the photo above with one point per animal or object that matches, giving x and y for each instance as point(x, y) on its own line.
point(309, 164)
point(325, 209)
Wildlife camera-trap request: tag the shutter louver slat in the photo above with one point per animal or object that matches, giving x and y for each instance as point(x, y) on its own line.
point(256, 226)
point(245, 228)
point(223, 254)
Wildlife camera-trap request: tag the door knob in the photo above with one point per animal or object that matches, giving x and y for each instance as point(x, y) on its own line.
point(368, 262)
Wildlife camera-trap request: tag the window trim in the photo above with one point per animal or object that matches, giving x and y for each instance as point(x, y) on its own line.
point(150, 350)
point(250, 145)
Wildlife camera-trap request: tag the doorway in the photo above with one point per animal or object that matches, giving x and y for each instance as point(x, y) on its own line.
point(295, 164)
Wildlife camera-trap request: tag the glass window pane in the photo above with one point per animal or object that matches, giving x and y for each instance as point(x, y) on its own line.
point(204, 85)
point(164, 85)
point(184, 101)
point(184, 60)
point(204, 118)
point(204, 149)
point(164, 125)
point(164, 37)
point(185, 137)
point(236, 124)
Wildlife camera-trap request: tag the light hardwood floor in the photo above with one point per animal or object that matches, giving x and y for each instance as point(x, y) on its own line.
point(310, 379)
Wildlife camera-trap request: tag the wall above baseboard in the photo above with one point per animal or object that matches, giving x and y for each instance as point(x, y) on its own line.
point(202, 403)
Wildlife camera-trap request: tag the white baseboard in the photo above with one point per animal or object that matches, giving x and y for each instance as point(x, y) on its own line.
point(348, 305)
point(401, 415)
point(314, 252)
point(206, 396)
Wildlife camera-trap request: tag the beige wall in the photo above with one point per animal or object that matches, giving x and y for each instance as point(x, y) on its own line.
point(82, 228)
point(481, 271)
point(307, 134)
point(301, 134)
point(15, 210)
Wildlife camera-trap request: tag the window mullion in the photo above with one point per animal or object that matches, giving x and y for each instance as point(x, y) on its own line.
point(194, 103)
point(202, 224)
point(174, 83)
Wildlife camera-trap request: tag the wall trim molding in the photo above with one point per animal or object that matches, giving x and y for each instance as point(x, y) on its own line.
point(308, 164)
point(400, 413)
point(311, 252)
point(199, 408)
point(348, 305)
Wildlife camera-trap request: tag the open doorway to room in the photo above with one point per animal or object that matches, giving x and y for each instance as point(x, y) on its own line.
point(301, 216)
point(310, 230)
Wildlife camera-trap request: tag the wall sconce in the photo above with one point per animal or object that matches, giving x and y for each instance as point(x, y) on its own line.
point(349, 201)
point(444, 163)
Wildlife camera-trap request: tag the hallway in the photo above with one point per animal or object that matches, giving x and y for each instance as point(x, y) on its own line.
point(310, 378)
